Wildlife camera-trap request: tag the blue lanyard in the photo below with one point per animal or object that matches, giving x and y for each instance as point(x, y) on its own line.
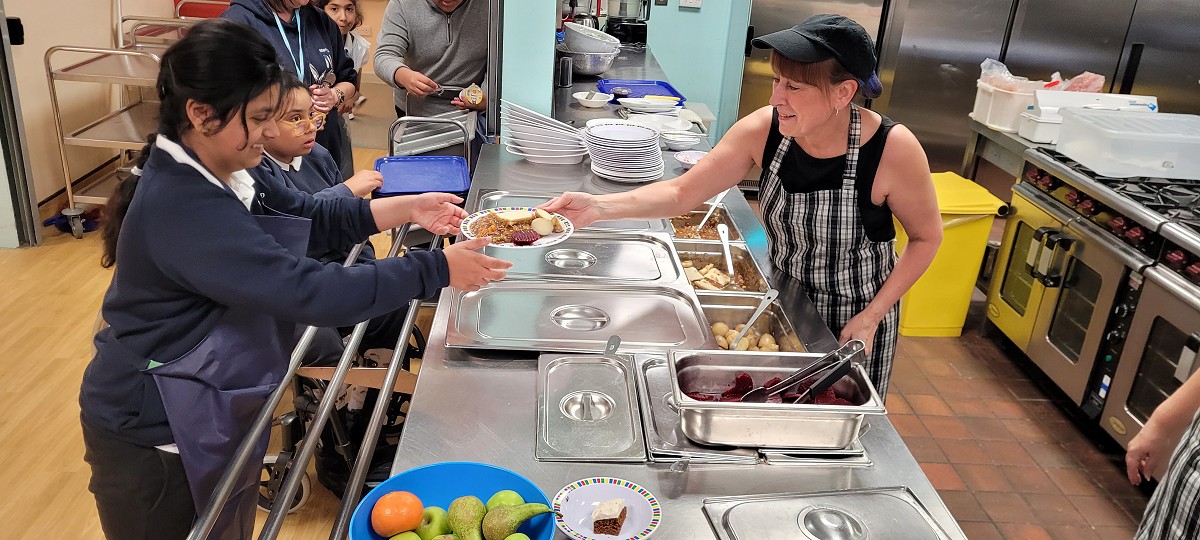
point(299, 42)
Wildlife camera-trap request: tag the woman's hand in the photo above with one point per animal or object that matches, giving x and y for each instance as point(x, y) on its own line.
point(323, 97)
point(364, 182)
point(437, 213)
point(861, 327)
point(470, 270)
point(580, 208)
point(1147, 453)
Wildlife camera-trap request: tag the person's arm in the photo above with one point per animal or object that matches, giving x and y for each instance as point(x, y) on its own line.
point(1151, 448)
point(343, 90)
point(721, 169)
point(908, 191)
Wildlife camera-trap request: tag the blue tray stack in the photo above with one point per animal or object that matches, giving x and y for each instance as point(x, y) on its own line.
point(410, 175)
point(639, 88)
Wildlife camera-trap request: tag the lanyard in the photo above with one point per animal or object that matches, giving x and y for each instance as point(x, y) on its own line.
point(299, 42)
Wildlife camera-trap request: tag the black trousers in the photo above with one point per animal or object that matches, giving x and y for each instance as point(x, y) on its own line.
point(141, 492)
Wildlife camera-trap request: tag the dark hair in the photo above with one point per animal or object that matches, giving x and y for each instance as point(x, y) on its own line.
point(289, 83)
point(358, 14)
point(275, 5)
point(823, 74)
point(220, 63)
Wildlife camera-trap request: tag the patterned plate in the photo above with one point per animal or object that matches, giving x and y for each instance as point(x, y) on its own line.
point(548, 240)
point(573, 506)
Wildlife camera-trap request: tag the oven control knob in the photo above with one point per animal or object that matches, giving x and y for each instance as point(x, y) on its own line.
point(1122, 310)
point(1046, 182)
point(1115, 336)
point(1073, 197)
point(1035, 175)
point(1176, 259)
point(1118, 224)
point(1135, 236)
point(1193, 272)
point(1087, 208)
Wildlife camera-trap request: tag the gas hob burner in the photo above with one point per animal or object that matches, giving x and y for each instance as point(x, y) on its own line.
point(1158, 194)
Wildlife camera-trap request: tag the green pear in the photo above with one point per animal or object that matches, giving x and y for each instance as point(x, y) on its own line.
point(408, 535)
point(502, 521)
point(517, 536)
point(434, 522)
point(466, 515)
point(505, 497)
point(446, 537)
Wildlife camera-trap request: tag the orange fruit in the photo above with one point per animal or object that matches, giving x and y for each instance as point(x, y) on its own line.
point(396, 512)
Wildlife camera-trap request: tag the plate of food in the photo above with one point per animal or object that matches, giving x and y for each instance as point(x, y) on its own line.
point(606, 508)
point(518, 226)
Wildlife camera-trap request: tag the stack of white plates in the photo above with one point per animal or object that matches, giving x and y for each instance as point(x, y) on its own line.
point(624, 152)
point(538, 138)
point(644, 105)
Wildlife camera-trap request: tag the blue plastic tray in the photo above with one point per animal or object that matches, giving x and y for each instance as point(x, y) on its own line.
point(640, 87)
point(408, 175)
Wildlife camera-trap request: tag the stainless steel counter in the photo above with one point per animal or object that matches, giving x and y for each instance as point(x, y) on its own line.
point(1002, 148)
point(482, 407)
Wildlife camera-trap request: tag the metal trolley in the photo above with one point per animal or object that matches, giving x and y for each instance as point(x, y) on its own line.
point(393, 377)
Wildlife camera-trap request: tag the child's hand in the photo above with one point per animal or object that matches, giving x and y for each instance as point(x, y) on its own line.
point(364, 182)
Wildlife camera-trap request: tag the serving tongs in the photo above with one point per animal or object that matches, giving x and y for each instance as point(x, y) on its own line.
point(835, 365)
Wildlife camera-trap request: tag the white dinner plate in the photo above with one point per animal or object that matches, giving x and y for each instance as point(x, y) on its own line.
point(573, 506)
point(548, 240)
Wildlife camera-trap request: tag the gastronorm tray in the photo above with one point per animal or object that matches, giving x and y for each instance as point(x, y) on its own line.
point(576, 317)
point(702, 253)
point(894, 513)
point(498, 198)
point(765, 425)
point(587, 409)
point(736, 308)
point(608, 257)
point(660, 419)
point(720, 215)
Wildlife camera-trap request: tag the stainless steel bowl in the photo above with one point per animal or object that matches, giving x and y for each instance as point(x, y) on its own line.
point(586, 63)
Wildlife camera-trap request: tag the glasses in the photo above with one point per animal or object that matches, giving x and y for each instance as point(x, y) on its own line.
point(314, 122)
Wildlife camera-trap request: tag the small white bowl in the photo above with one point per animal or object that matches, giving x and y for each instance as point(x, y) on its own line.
point(687, 159)
point(597, 100)
point(680, 144)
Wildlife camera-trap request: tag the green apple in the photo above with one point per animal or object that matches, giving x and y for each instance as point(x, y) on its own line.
point(409, 535)
point(434, 522)
point(506, 497)
point(517, 536)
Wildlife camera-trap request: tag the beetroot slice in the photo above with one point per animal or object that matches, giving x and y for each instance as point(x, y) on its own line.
point(742, 383)
point(700, 397)
point(525, 237)
point(774, 381)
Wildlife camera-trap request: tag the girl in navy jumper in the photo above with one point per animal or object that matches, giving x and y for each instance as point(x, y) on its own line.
point(211, 280)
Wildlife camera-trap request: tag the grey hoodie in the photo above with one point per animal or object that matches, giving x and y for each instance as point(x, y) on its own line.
point(450, 48)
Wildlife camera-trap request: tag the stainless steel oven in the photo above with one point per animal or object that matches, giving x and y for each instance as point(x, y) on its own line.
point(1082, 305)
point(1159, 353)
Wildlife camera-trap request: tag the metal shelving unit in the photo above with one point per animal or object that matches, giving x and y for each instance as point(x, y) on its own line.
point(123, 129)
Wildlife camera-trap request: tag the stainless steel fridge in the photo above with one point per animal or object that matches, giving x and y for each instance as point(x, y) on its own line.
point(1161, 55)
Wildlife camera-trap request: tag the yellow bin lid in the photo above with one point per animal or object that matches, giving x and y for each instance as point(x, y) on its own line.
point(957, 195)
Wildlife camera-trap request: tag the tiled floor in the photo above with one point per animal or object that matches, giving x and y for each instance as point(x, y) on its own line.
point(1008, 462)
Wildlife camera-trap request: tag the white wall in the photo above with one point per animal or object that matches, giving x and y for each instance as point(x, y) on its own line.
point(88, 23)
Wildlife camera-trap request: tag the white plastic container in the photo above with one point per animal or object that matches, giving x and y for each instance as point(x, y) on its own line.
point(1039, 130)
point(999, 109)
point(1123, 143)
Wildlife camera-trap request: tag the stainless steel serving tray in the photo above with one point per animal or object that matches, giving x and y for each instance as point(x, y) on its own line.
point(765, 425)
point(576, 317)
point(702, 252)
point(894, 513)
point(605, 257)
point(498, 198)
point(720, 215)
point(586, 409)
point(734, 309)
point(660, 419)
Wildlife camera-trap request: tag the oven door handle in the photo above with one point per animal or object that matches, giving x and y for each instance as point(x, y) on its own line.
point(1053, 275)
point(1187, 358)
point(1045, 258)
point(1037, 245)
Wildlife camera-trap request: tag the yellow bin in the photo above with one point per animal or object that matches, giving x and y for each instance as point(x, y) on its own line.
point(936, 305)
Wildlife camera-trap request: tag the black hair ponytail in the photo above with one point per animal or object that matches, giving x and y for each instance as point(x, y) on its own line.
point(220, 63)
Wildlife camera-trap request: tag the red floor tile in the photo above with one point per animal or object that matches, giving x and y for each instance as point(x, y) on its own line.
point(1005, 507)
point(988, 388)
point(943, 477)
point(1050, 456)
point(1029, 430)
point(1023, 531)
point(945, 427)
point(976, 530)
point(1114, 533)
point(963, 451)
point(1007, 408)
point(972, 368)
point(983, 478)
point(1008, 453)
point(1030, 480)
point(963, 506)
point(1056, 509)
point(968, 407)
point(1068, 532)
point(1072, 482)
point(896, 404)
point(908, 425)
point(954, 386)
point(936, 368)
point(988, 429)
point(928, 405)
point(925, 449)
point(1103, 511)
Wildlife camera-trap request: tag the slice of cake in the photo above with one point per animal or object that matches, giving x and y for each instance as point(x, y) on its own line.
point(608, 517)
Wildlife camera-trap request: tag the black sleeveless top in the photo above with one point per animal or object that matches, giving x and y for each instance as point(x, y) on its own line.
point(802, 173)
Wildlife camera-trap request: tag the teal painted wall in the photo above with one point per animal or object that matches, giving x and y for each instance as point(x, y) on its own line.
point(701, 51)
point(527, 64)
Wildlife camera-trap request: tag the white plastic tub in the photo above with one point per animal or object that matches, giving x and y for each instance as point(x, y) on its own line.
point(1123, 144)
point(999, 109)
point(1039, 130)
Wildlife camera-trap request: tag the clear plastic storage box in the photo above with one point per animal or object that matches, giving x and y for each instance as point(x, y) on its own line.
point(1122, 144)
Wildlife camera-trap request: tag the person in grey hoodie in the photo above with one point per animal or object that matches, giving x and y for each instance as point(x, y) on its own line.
point(424, 45)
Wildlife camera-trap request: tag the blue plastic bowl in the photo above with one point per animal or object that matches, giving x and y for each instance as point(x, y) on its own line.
point(440, 483)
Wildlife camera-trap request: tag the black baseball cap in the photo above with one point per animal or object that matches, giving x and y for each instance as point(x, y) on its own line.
point(822, 37)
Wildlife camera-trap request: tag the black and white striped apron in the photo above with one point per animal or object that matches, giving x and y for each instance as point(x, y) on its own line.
point(819, 238)
point(1174, 510)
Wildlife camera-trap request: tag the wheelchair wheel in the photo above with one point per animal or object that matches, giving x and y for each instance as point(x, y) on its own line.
point(271, 480)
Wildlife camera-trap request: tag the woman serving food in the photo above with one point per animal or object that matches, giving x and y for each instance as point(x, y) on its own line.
point(833, 177)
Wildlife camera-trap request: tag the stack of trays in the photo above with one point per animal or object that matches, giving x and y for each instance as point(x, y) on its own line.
point(538, 138)
point(624, 152)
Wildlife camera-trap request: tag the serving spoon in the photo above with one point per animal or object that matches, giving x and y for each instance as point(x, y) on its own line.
point(723, 232)
point(767, 298)
point(711, 208)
